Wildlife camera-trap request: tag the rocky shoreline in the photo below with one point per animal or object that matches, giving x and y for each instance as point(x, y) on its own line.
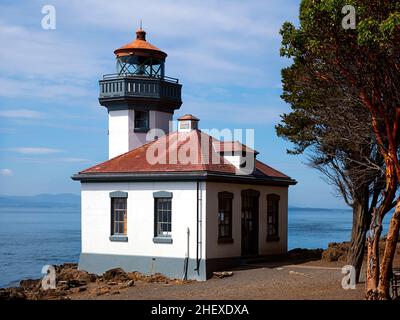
point(73, 282)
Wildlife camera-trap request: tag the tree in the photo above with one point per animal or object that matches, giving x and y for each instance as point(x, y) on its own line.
point(364, 64)
point(340, 144)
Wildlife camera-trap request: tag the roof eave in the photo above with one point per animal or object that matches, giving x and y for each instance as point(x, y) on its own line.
point(181, 176)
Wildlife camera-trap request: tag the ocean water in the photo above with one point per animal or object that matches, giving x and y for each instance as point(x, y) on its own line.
point(33, 237)
point(315, 228)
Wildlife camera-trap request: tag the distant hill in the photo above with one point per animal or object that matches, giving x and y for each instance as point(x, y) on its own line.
point(74, 200)
point(41, 200)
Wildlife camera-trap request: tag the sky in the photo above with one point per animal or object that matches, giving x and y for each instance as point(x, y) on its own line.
point(225, 53)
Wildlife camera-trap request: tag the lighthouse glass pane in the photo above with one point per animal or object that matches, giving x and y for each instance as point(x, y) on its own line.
point(118, 216)
point(138, 65)
point(163, 223)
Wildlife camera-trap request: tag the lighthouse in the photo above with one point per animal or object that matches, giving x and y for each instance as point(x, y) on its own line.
point(185, 217)
point(139, 96)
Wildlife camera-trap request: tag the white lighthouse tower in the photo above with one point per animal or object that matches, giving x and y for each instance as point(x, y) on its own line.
point(139, 97)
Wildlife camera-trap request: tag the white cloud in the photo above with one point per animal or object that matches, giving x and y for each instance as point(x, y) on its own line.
point(45, 64)
point(20, 114)
point(53, 160)
point(71, 159)
point(207, 42)
point(42, 88)
point(47, 55)
point(6, 172)
point(34, 150)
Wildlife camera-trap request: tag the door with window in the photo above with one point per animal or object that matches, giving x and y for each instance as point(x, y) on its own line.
point(250, 206)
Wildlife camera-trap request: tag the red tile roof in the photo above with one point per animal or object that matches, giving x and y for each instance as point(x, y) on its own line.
point(196, 153)
point(188, 117)
point(231, 146)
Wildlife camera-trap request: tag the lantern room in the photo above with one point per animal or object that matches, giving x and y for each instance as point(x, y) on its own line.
point(140, 58)
point(138, 97)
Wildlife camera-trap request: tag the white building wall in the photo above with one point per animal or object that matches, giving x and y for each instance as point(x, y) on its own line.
point(96, 219)
point(119, 125)
point(121, 134)
point(222, 250)
point(160, 120)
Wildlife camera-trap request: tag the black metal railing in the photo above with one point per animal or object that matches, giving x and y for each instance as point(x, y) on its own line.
point(139, 86)
point(133, 75)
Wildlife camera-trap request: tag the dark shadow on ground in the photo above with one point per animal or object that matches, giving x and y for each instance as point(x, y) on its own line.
point(295, 256)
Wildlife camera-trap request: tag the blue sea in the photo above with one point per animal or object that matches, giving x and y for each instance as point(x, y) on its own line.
point(33, 237)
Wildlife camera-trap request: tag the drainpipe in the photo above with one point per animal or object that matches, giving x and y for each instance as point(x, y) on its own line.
point(198, 228)
point(186, 263)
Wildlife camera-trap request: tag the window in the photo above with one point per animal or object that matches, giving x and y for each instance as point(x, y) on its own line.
point(273, 217)
point(118, 216)
point(141, 120)
point(162, 216)
point(184, 125)
point(225, 216)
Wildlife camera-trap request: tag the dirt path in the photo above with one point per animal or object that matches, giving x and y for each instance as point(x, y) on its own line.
point(311, 280)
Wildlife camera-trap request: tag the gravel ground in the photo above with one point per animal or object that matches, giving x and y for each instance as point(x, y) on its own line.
point(311, 280)
point(292, 279)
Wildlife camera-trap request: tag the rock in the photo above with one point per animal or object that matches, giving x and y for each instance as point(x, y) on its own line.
point(30, 284)
point(336, 252)
point(61, 267)
point(223, 274)
point(75, 283)
point(74, 277)
point(116, 274)
point(157, 277)
point(102, 291)
point(112, 283)
point(128, 283)
point(115, 292)
point(305, 254)
point(12, 294)
point(78, 289)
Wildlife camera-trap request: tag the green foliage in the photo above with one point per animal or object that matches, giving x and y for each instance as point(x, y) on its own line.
point(323, 52)
point(334, 71)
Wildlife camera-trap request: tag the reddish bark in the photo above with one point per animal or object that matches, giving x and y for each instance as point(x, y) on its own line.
point(378, 276)
point(372, 280)
point(390, 250)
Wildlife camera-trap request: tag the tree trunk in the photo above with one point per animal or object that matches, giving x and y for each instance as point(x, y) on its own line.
point(355, 255)
point(372, 280)
point(390, 250)
point(377, 286)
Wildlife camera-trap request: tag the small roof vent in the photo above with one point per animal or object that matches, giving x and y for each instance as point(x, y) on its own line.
point(187, 123)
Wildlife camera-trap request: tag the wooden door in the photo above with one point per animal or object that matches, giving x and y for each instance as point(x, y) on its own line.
point(250, 199)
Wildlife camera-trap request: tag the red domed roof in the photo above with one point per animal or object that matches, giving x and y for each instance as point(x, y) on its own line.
point(140, 47)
